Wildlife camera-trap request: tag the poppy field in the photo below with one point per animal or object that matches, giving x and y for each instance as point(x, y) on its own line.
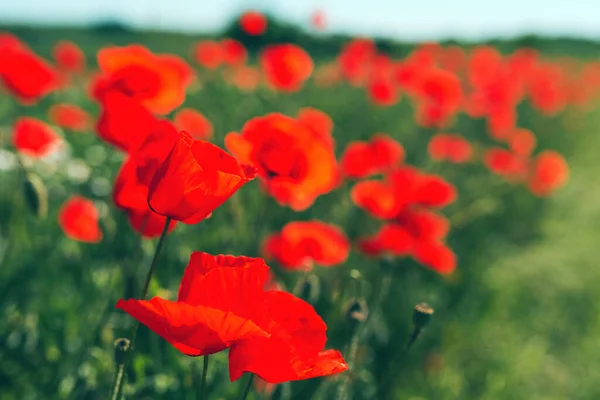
point(278, 214)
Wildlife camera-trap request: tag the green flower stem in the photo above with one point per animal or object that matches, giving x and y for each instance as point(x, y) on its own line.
point(248, 387)
point(119, 379)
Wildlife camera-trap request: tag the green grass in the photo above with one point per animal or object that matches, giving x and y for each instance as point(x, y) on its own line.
point(519, 319)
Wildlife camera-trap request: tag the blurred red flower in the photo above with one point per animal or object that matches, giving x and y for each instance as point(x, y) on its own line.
point(296, 163)
point(416, 232)
point(450, 147)
point(294, 349)
point(196, 178)
point(439, 97)
point(34, 138)
point(383, 92)
point(68, 57)
point(158, 82)
point(220, 301)
point(404, 187)
point(70, 116)
point(301, 244)
point(26, 75)
point(548, 88)
point(506, 164)
point(253, 23)
point(549, 171)
point(209, 54)
point(355, 60)
point(380, 154)
point(193, 122)
point(124, 122)
point(285, 66)
point(234, 52)
point(319, 122)
point(522, 142)
point(435, 255)
point(78, 218)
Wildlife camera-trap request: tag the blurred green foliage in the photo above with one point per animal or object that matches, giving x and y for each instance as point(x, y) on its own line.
point(518, 320)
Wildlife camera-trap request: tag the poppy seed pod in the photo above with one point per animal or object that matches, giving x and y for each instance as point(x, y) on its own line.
point(36, 195)
point(122, 347)
point(309, 288)
point(422, 315)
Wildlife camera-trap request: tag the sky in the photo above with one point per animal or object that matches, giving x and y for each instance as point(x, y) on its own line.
point(399, 19)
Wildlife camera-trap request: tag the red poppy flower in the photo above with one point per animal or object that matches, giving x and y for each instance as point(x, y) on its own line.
point(220, 301)
point(439, 96)
point(522, 142)
point(504, 163)
point(502, 122)
point(68, 57)
point(410, 227)
point(548, 88)
point(159, 82)
point(194, 122)
point(286, 66)
point(383, 92)
point(294, 349)
point(196, 178)
point(300, 244)
point(391, 238)
point(209, 54)
point(319, 122)
point(355, 60)
point(435, 255)
point(23, 73)
point(78, 218)
point(423, 224)
point(69, 116)
point(234, 52)
point(296, 163)
point(34, 138)
point(253, 23)
point(404, 187)
point(124, 122)
point(549, 172)
point(131, 185)
point(380, 154)
point(450, 147)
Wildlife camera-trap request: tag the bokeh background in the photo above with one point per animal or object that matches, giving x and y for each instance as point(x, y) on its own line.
point(519, 319)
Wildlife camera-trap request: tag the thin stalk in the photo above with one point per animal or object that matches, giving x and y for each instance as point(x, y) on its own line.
point(248, 387)
point(119, 380)
point(204, 375)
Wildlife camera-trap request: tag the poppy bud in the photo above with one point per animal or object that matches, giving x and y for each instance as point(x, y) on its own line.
point(36, 195)
point(356, 311)
point(422, 315)
point(122, 347)
point(309, 288)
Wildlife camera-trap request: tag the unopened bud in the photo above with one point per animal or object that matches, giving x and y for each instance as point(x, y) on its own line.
point(422, 315)
point(122, 347)
point(356, 310)
point(36, 195)
point(309, 288)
